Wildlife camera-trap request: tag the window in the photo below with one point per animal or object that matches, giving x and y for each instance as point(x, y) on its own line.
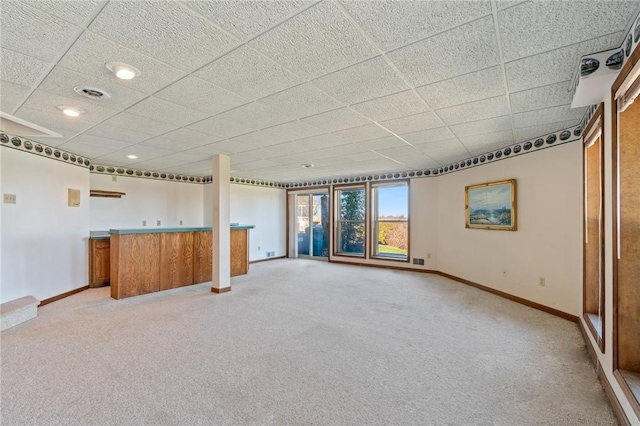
point(593, 244)
point(350, 223)
point(391, 221)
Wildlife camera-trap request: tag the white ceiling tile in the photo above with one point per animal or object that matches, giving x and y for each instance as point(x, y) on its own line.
point(90, 53)
point(335, 120)
point(474, 86)
point(323, 141)
point(535, 27)
point(184, 158)
point(247, 73)
point(489, 146)
point(317, 41)
point(49, 102)
point(382, 143)
point(445, 151)
point(156, 164)
point(541, 97)
point(209, 150)
point(363, 133)
point(229, 146)
point(253, 115)
point(367, 80)
point(428, 136)
point(11, 94)
point(554, 66)
point(170, 33)
point(145, 152)
point(294, 130)
point(20, 69)
point(548, 115)
point(53, 119)
point(33, 32)
point(391, 106)
point(490, 140)
point(220, 127)
point(66, 135)
point(245, 18)
point(62, 81)
point(258, 164)
point(117, 158)
point(478, 110)
point(261, 139)
point(191, 136)
point(440, 145)
point(201, 96)
point(89, 151)
point(74, 11)
point(364, 156)
point(399, 152)
point(524, 133)
point(161, 110)
point(491, 125)
point(177, 144)
point(265, 153)
point(292, 147)
point(503, 4)
point(243, 157)
point(394, 24)
point(101, 142)
point(140, 124)
point(413, 123)
point(455, 52)
point(117, 133)
point(300, 101)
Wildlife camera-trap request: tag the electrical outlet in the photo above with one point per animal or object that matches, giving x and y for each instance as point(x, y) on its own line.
point(9, 198)
point(144, 223)
point(180, 223)
point(428, 255)
point(158, 222)
point(504, 272)
point(542, 282)
point(114, 178)
point(258, 248)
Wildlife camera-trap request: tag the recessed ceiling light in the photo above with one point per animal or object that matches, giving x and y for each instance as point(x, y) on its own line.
point(307, 166)
point(133, 157)
point(71, 111)
point(122, 70)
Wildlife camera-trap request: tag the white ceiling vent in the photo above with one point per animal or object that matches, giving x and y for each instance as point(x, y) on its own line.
point(92, 93)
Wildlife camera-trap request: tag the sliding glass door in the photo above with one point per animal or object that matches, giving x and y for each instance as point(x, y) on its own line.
point(312, 225)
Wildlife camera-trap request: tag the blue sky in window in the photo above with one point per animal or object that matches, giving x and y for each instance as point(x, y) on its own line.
point(393, 201)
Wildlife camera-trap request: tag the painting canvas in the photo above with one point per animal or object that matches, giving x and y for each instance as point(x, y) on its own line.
point(491, 205)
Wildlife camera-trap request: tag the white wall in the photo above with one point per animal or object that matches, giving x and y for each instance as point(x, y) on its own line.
point(263, 207)
point(44, 242)
point(548, 240)
point(146, 200)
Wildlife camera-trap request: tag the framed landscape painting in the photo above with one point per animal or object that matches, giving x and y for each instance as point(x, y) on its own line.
point(491, 205)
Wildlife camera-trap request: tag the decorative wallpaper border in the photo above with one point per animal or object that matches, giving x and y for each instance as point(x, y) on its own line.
point(42, 150)
point(547, 141)
point(144, 174)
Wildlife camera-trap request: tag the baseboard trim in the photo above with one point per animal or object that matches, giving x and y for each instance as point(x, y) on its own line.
point(63, 295)
point(513, 298)
point(220, 290)
point(613, 399)
point(585, 337)
point(267, 259)
point(399, 268)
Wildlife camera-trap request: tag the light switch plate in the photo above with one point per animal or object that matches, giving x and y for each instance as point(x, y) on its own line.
point(9, 198)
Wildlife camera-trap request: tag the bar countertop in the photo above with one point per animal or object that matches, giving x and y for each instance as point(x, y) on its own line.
point(163, 230)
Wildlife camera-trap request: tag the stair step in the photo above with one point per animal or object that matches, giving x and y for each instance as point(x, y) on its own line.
point(18, 311)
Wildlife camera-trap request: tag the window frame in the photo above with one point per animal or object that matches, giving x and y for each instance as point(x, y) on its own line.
point(373, 217)
point(337, 189)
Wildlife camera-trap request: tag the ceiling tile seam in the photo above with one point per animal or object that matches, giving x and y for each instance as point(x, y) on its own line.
point(564, 47)
point(233, 48)
point(496, 30)
point(395, 70)
point(51, 65)
point(542, 87)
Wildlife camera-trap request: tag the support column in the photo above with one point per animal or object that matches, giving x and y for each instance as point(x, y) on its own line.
point(221, 233)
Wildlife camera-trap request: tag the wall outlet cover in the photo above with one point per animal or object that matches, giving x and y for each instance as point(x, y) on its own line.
point(9, 198)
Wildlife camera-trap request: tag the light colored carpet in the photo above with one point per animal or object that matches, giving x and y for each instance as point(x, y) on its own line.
point(300, 342)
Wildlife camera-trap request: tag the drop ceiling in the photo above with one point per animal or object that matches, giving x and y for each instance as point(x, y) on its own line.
point(352, 87)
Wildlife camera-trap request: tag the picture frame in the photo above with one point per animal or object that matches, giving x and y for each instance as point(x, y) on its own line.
point(491, 205)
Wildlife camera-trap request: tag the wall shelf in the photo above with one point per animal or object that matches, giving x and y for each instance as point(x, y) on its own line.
point(105, 194)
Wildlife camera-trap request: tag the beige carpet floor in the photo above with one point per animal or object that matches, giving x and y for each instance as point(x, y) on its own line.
point(300, 342)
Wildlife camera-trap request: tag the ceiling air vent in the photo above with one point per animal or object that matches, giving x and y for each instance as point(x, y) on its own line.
point(91, 93)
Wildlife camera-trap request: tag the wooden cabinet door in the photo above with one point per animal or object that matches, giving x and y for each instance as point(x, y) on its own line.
point(100, 262)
